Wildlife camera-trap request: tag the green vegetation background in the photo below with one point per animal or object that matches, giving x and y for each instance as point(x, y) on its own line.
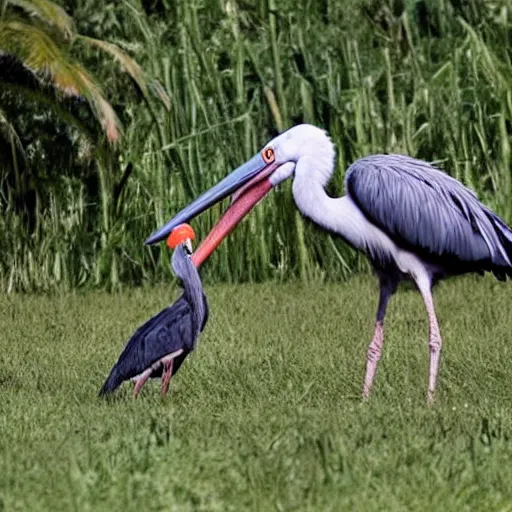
point(430, 78)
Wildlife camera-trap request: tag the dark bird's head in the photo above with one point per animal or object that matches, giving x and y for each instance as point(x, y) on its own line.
point(180, 240)
point(181, 235)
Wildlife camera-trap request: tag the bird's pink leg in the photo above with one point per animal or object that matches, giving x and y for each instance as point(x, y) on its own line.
point(166, 377)
point(141, 380)
point(372, 357)
point(434, 338)
point(434, 343)
point(167, 362)
point(373, 354)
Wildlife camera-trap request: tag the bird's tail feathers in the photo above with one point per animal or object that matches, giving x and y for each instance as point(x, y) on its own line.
point(504, 262)
point(111, 384)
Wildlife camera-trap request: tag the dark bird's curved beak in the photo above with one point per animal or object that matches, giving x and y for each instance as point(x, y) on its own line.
point(241, 179)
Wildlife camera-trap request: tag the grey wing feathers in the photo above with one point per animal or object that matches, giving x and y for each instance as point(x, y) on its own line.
point(424, 209)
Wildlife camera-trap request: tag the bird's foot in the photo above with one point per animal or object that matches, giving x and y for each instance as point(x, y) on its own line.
point(430, 398)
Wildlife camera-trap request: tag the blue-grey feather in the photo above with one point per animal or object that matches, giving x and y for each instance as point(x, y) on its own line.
point(424, 210)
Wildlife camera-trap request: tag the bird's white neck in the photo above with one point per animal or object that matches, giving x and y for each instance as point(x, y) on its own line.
point(339, 215)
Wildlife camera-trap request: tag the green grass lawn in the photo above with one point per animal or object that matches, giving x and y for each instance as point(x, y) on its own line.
point(266, 414)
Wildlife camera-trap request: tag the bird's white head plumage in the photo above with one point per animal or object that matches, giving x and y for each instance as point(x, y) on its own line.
point(303, 143)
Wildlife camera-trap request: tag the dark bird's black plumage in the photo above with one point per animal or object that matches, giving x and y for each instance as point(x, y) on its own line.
point(177, 327)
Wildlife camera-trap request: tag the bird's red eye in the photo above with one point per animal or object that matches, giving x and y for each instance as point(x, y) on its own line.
point(268, 155)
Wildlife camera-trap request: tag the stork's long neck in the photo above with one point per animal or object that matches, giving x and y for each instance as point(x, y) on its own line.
point(339, 215)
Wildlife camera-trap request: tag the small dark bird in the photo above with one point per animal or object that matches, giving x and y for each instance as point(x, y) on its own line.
point(159, 347)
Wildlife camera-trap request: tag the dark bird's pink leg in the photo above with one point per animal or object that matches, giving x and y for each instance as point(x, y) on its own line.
point(375, 348)
point(167, 363)
point(166, 376)
point(141, 380)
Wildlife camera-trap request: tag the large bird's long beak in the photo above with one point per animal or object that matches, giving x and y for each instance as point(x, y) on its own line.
point(253, 170)
point(241, 206)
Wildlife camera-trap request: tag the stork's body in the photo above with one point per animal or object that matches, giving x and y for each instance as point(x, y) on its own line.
point(413, 221)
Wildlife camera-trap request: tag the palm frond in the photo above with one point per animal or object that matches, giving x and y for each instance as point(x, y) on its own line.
point(101, 107)
point(39, 53)
point(158, 90)
point(127, 63)
point(47, 11)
